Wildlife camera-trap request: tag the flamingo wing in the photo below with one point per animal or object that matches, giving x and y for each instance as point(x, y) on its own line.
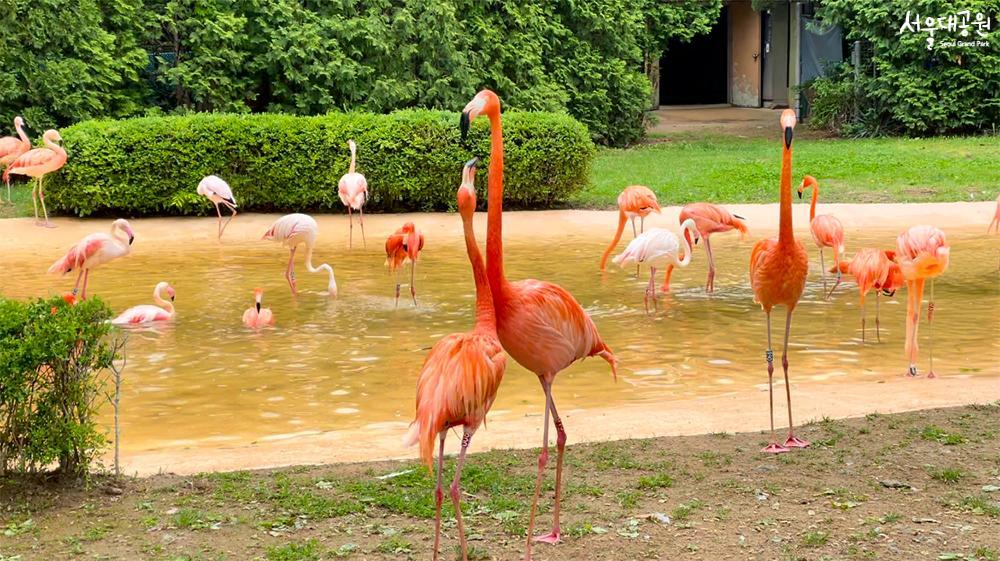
point(81, 253)
point(827, 231)
point(653, 245)
point(33, 162)
point(638, 199)
point(712, 219)
point(11, 147)
point(146, 313)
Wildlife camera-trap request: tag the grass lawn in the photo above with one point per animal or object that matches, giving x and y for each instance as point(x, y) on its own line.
point(728, 169)
point(920, 485)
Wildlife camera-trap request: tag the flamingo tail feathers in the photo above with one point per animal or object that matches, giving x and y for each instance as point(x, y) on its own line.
point(424, 431)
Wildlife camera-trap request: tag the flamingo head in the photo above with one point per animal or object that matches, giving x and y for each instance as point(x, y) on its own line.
point(124, 226)
point(411, 241)
point(467, 190)
point(788, 124)
point(352, 146)
point(485, 102)
point(690, 228)
point(165, 288)
point(18, 121)
point(52, 135)
point(258, 296)
point(807, 182)
point(269, 234)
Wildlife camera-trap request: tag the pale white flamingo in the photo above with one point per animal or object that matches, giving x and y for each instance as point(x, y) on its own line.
point(353, 191)
point(659, 247)
point(13, 146)
point(218, 191)
point(93, 251)
point(294, 229)
point(36, 163)
point(256, 316)
point(148, 313)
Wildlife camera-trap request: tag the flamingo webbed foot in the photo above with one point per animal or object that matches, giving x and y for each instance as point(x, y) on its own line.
point(931, 374)
point(795, 442)
point(774, 448)
point(552, 537)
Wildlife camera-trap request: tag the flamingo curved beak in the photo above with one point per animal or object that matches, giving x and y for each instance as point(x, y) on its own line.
point(788, 138)
point(463, 125)
point(258, 306)
point(800, 192)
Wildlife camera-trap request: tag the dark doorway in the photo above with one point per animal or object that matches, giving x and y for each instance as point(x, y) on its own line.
point(695, 73)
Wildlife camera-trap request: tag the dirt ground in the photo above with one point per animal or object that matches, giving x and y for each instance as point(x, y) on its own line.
point(702, 120)
point(919, 485)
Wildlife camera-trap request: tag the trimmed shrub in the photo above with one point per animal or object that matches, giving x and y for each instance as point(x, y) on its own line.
point(280, 163)
point(51, 355)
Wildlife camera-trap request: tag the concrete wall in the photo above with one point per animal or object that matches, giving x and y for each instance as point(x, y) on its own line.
point(744, 76)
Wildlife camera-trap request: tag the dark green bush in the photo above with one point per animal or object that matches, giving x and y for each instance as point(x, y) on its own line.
point(51, 354)
point(412, 160)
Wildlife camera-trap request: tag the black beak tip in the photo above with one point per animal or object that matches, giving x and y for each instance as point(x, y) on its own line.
point(131, 239)
point(472, 163)
point(800, 194)
point(788, 137)
point(696, 241)
point(172, 298)
point(463, 125)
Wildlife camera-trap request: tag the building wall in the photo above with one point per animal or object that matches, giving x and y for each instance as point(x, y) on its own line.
point(779, 52)
point(744, 82)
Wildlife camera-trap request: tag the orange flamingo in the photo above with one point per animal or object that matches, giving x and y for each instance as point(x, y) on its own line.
point(95, 250)
point(923, 254)
point(635, 201)
point(257, 317)
point(353, 192)
point(778, 270)
point(36, 163)
point(13, 146)
point(710, 219)
point(873, 268)
point(460, 377)
point(539, 323)
point(404, 245)
point(994, 224)
point(827, 231)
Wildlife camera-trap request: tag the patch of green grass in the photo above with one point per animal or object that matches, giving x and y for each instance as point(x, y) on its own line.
point(657, 481)
point(715, 459)
point(685, 510)
point(305, 551)
point(946, 475)
point(394, 545)
point(95, 533)
point(614, 455)
point(987, 554)
point(628, 499)
point(981, 504)
point(17, 528)
point(816, 539)
point(890, 517)
point(936, 434)
point(476, 553)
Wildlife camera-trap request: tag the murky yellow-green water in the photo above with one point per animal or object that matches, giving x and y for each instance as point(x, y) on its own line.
point(351, 363)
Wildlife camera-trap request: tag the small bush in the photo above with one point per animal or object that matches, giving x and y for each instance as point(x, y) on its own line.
point(50, 356)
point(281, 163)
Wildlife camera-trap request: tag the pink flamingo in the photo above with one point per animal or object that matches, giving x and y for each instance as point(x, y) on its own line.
point(256, 317)
point(401, 247)
point(460, 378)
point(218, 191)
point(922, 252)
point(873, 268)
point(994, 224)
point(93, 251)
point(146, 313)
point(778, 270)
point(353, 191)
point(709, 219)
point(826, 230)
point(636, 201)
point(11, 147)
point(539, 323)
point(36, 163)
point(659, 247)
point(292, 230)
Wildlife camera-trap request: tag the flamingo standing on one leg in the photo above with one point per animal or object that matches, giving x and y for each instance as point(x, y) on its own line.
point(540, 324)
point(994, 224)
point(827, 231)
point(36, 163)
point(710, 219)
point(636, 201)
point(13, 146)
point(873, 268)
point(256, 316)
point(404, 246)
point(93, 251)
point(218, 191)
point(460, 376)
point(923, 254)
point(353, 191)
point(147, 313)
point(778, 270)
point(659, 247)
point(294, 229)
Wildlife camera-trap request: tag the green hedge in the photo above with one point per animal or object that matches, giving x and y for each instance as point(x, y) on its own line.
point(282, 163)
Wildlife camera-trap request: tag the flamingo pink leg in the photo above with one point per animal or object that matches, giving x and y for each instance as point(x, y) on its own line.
point(543, 460)
point(553, 537)
point(439, 496)
point(361, 220)
point(222, 227)
point(290, 271)
point(86, 277)
point(635, 235)
point(792, 441)
point(710, 284)
point(79, 277)
point(413, 289)
point(41, 199)
point(878, 336)
point(456, 493)
point(650, 289)
point(398, 284)
point(773, 447)
point(350, 220)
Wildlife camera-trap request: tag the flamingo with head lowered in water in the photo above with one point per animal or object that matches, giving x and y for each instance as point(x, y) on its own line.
point(291, 231)
point(636, 201)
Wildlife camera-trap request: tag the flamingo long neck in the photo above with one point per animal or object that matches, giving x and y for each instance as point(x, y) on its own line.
point(485, 316)
point(121, 239)
point(785, 235)
point(494, 232)
point(354, 157)
point(53, 146)
point(622, 219)
point(812, 206)
point(686, 234)
point(165, 304)
point(21, 134)
point(332, 284)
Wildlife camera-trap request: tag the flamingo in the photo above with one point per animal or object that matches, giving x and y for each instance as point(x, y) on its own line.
point(709, 219)
point(873, 268)
point(93, 251)
point(659, 247)
point(146, 313)
point(353, 191)
point(218, 191)
point(827, 231)
point(404, 246)
point(635, 201)
point(255, 316)
point(292, 230)
point(539, 323)
point(994, 224)
point(36, 163)
point(11, 147)
point(461, 374)
point(922, 252)
point(778, 270)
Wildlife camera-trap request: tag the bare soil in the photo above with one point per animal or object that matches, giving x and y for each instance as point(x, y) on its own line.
point(918, 485)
